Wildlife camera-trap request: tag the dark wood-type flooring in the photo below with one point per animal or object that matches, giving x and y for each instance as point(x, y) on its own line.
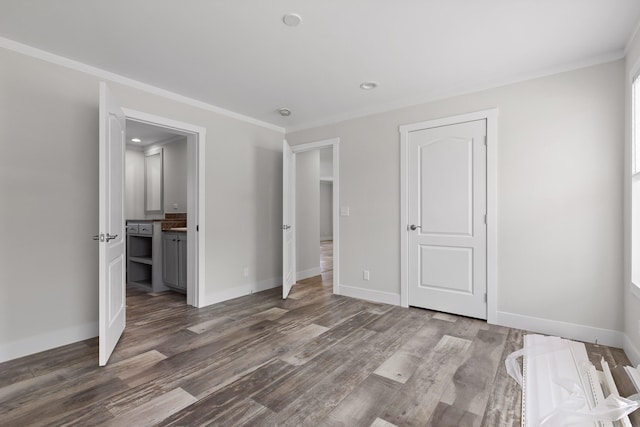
point(316, 359)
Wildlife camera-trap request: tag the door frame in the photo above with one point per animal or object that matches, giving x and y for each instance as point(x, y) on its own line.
point(196, 138)
point(491, 116)
point(334, 143)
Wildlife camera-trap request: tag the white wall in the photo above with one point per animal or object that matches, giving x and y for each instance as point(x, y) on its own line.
point(134, 184)
point(326, 163)
point(326, 210)
point(560, 157)
point(49, 188)
point(175, 176)
point(631, 299)
point(307, 214)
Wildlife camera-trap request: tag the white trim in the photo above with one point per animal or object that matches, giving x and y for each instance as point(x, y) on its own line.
point(421, 100)
point(631, 351)
point(572, 331)
point(491, 116)
point(196, 143)
point(369, 295)
point(635, 290)
point(335, 144)
point(53, 339)
point(305, 274)
point(241, 291)
point(136, 84)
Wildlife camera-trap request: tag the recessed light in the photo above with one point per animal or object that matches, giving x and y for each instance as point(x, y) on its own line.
point(136, 140)
point(292, 19)
point(368, 85)
point(284, 112)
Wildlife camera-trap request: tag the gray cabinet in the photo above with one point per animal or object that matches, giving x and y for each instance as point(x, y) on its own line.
point(174, 257)
point(143, 256)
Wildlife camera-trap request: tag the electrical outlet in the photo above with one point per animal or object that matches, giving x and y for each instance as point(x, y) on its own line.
point(246, 272)
point(365, 274)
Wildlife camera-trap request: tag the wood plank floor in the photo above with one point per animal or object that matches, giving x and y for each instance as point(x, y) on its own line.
point(316, 359)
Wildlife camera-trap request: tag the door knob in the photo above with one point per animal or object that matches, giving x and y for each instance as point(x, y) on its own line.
point(414, 227)
point(286, 227)
point(111, 236)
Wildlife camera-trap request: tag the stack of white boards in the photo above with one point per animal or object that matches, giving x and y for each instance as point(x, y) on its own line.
point(561, 387)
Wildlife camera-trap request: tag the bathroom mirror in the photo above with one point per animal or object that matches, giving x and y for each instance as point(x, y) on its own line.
point(153, 182)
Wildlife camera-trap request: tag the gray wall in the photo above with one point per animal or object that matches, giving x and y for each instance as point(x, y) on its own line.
point(560, 162)
point(326, 210)
point(49, 186)
point(175, 176)
point(307, 214)
point(175, 165)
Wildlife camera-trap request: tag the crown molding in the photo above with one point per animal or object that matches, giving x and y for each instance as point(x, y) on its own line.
point(416, 101)
point(126, 81)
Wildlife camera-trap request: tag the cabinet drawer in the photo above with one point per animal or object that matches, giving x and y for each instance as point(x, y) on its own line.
point(145, 228)
point(132, 228)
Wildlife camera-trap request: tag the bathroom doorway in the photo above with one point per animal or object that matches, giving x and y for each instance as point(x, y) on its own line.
point(164, 182)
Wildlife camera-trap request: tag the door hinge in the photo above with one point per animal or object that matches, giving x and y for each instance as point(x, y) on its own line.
point(485, 140)
point(485, 297)
point(485, 219)
point(197, 228)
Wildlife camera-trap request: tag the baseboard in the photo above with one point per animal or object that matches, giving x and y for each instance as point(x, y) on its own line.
point(241, 291)
point(631, 350)
point(325, 238)
point(47, 341)
point(369, 295)
point(572, 331)
point(305, 274)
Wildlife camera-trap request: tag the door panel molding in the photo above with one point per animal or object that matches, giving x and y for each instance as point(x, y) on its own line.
point(491, 117)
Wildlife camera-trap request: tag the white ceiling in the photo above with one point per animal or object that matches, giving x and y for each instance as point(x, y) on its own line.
point(148, 134)
point(238, 55)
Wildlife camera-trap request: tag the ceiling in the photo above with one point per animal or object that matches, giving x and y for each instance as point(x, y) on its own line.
point(239, 55)
point(148, 134)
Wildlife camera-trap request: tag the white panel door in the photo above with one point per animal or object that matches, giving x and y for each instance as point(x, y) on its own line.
point(447, 205)
point(111, 222)
point(288, 219)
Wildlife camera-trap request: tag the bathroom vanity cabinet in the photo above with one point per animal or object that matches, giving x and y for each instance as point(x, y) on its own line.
point(143, 256)
point(174, 262)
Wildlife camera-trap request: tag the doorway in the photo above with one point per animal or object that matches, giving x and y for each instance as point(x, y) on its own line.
point(310, 206)
point(448, 211)
point(182, 146)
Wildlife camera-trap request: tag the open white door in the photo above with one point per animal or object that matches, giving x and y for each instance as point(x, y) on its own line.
point(288, 219)
point(111, 222)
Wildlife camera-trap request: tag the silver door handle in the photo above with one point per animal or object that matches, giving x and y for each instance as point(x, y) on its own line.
point(111, 236)
point(414, 227)
point(286, 227)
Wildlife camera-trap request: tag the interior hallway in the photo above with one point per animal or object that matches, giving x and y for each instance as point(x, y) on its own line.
point(313, 359)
